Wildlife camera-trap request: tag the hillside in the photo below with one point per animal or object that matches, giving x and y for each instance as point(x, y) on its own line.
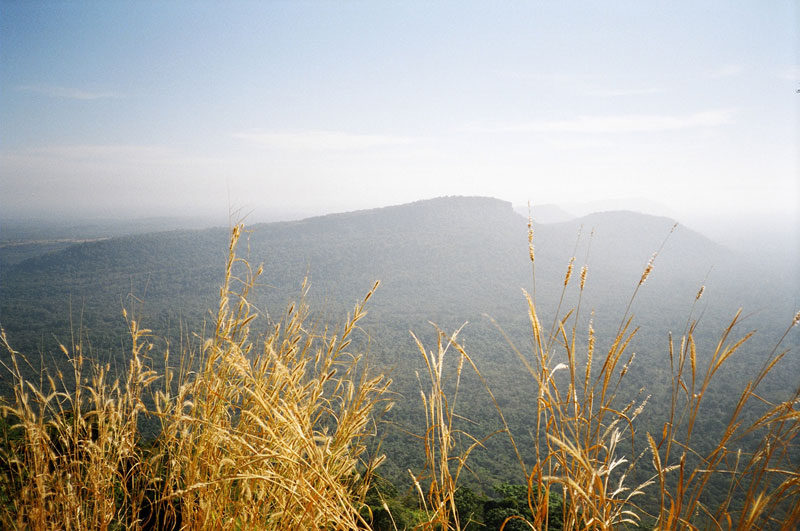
point(446, 260)
point(449, 261)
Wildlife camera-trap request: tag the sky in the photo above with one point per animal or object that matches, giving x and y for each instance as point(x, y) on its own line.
point(286, 109)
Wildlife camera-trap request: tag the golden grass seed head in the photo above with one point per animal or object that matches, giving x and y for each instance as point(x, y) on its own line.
point(648, 269)
point(627, 365)
point(700, 293)
point(796, 319)
point(641, 407)
point(569, 271)
point(531, 254)
point(584, 271)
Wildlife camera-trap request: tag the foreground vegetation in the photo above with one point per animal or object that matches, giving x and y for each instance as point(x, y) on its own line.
point(280, 431)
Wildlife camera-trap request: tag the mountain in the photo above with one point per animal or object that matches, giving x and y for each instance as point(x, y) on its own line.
point(547, 213)
point(449, 260)
point(636, 204)
point(23, 239)
point(456, 257)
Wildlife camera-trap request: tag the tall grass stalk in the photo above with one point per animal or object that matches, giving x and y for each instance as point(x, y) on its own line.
point(764, 485)
point(445, 455)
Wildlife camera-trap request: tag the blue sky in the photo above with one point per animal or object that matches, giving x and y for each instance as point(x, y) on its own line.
point(287, 108)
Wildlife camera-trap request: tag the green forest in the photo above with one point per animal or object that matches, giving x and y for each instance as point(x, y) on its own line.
point(613, 371)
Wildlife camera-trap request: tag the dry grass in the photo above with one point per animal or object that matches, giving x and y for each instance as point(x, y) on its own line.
point(266, 433)
point(444, 462)
point(585, 434)
point(764, 491)
point(74, 462)
point(270, 431)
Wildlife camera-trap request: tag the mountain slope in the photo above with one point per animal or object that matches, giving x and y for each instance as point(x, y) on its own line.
point(447, 260)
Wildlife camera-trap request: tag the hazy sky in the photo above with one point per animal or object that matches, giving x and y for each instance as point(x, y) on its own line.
point(164, 108)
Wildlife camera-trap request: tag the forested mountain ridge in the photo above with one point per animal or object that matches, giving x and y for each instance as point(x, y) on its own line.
point(432, 256)
point(447, 260)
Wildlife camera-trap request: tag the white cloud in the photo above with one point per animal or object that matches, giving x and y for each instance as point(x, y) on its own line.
point(726, 71)
point(551, 77)
point(68, 92)
point(615, 93)
point(609, 124)
point(320, 140)
point(792, 73)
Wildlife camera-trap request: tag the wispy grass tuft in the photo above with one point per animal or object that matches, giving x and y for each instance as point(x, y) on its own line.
point(585, 433)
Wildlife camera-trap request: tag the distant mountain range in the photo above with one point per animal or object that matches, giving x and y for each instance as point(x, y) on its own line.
point(446, 260)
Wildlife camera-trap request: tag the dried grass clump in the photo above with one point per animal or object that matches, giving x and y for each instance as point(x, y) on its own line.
point(264, 433)
point(271, 436)
point(764, 484)
point(585, 432)
point(436, 485)
point(71, 458)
